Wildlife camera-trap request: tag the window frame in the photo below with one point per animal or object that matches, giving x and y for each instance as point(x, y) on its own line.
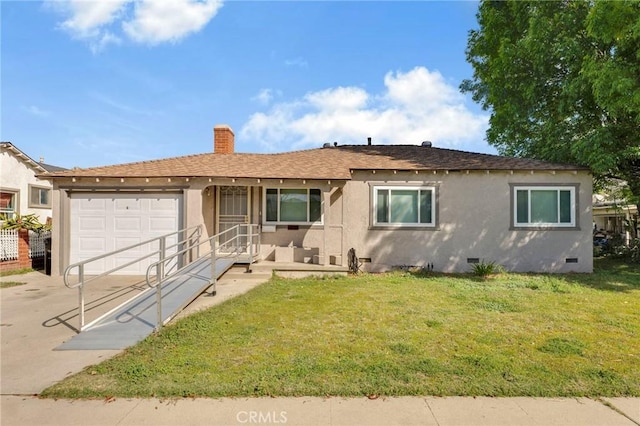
point(290, 222)
point(433, 224)
point(39, 205)
point(573, 191)
point(16, 203)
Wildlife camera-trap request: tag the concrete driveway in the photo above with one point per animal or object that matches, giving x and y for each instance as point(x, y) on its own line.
point(37, 317)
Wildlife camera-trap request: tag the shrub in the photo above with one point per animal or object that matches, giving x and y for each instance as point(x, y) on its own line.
point(484, 269)
point(629, 253)
point(29, 222)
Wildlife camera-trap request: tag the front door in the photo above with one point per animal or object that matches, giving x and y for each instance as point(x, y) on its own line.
point(233, 209)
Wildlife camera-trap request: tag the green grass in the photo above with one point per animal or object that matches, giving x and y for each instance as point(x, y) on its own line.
point(7, 284)
point(394, 334)
point(16, 272)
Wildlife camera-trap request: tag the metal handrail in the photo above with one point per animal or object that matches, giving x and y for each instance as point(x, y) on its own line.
point(197, 232)
point(168, 258)
point(211, 241)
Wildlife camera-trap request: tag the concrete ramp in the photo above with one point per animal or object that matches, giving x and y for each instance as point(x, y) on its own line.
point(136, 319)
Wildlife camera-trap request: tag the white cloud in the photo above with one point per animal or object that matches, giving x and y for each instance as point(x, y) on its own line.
point(120, 106)
point(105, 22)
point(414, 106)
point(265, 96)
point(34, 110)
point(86, 18)
point(341, 98)
point(103, 40)
point(157, 21)
point(296, 62)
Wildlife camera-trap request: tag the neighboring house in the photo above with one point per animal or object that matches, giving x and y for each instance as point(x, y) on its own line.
point(21, 191)
point(396, 205)
point(612, 216)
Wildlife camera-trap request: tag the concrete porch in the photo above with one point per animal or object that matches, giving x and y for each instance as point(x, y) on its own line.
point(297, 269)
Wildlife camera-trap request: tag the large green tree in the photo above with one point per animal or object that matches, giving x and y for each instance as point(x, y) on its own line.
point(562, 82)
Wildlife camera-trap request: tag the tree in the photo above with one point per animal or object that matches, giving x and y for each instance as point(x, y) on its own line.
point(562, 81)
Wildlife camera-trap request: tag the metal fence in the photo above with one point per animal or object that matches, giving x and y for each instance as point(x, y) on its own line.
point(8, 244)
point(36, 243)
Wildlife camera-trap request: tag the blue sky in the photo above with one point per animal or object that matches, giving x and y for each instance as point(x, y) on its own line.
point(94, 83)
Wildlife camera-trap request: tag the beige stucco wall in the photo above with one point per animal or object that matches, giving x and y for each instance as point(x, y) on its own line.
point(473, 222)
point(17, 176)
point(198, 208)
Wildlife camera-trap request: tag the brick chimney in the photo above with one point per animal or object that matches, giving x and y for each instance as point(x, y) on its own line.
point(222, 139)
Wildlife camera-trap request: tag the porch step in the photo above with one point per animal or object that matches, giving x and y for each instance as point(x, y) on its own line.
point(297, 269)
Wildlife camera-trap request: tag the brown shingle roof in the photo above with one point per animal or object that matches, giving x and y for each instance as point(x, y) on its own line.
point(320, 163)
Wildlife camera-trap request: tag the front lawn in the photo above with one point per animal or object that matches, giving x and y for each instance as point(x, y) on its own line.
point(394, 334)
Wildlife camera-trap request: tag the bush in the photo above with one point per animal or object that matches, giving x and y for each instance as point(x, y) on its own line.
point(484, 269)
point(29, 222)
point(630, 253)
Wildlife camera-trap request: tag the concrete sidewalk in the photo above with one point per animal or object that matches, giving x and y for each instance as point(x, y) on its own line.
point(40, 315)
point(322, 411)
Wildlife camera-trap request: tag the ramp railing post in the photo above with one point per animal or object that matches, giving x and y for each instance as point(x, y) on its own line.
point(258, 244)
point(162, 249)
point(250, 232)
point(81, 296)
point(159, 306)
point(213, 267)
point(163, 254)
point(198, 247)
point(238, 240)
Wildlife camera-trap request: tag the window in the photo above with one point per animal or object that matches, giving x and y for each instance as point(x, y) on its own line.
point(8, 204)
point(39, 196)
point(545, 206)
point(404, 206)
point(293, 206)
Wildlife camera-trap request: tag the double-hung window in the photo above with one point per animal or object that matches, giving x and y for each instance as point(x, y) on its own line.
point(293, 206)
point(404, 206)
point(544, 206)
point(39, 196)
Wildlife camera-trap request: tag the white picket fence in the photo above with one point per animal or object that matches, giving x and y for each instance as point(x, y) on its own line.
point(8, 244)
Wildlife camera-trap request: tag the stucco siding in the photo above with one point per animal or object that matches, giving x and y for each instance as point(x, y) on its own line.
point(17, 176)
point(474, 221)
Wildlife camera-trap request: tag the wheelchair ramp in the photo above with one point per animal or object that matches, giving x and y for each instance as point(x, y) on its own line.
point(135, 319)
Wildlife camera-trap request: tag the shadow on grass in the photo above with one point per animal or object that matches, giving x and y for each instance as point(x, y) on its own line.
point(609, 275)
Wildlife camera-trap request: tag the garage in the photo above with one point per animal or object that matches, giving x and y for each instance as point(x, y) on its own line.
point(104, 222)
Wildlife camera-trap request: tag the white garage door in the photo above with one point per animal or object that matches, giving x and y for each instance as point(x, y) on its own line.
point(102, 223)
